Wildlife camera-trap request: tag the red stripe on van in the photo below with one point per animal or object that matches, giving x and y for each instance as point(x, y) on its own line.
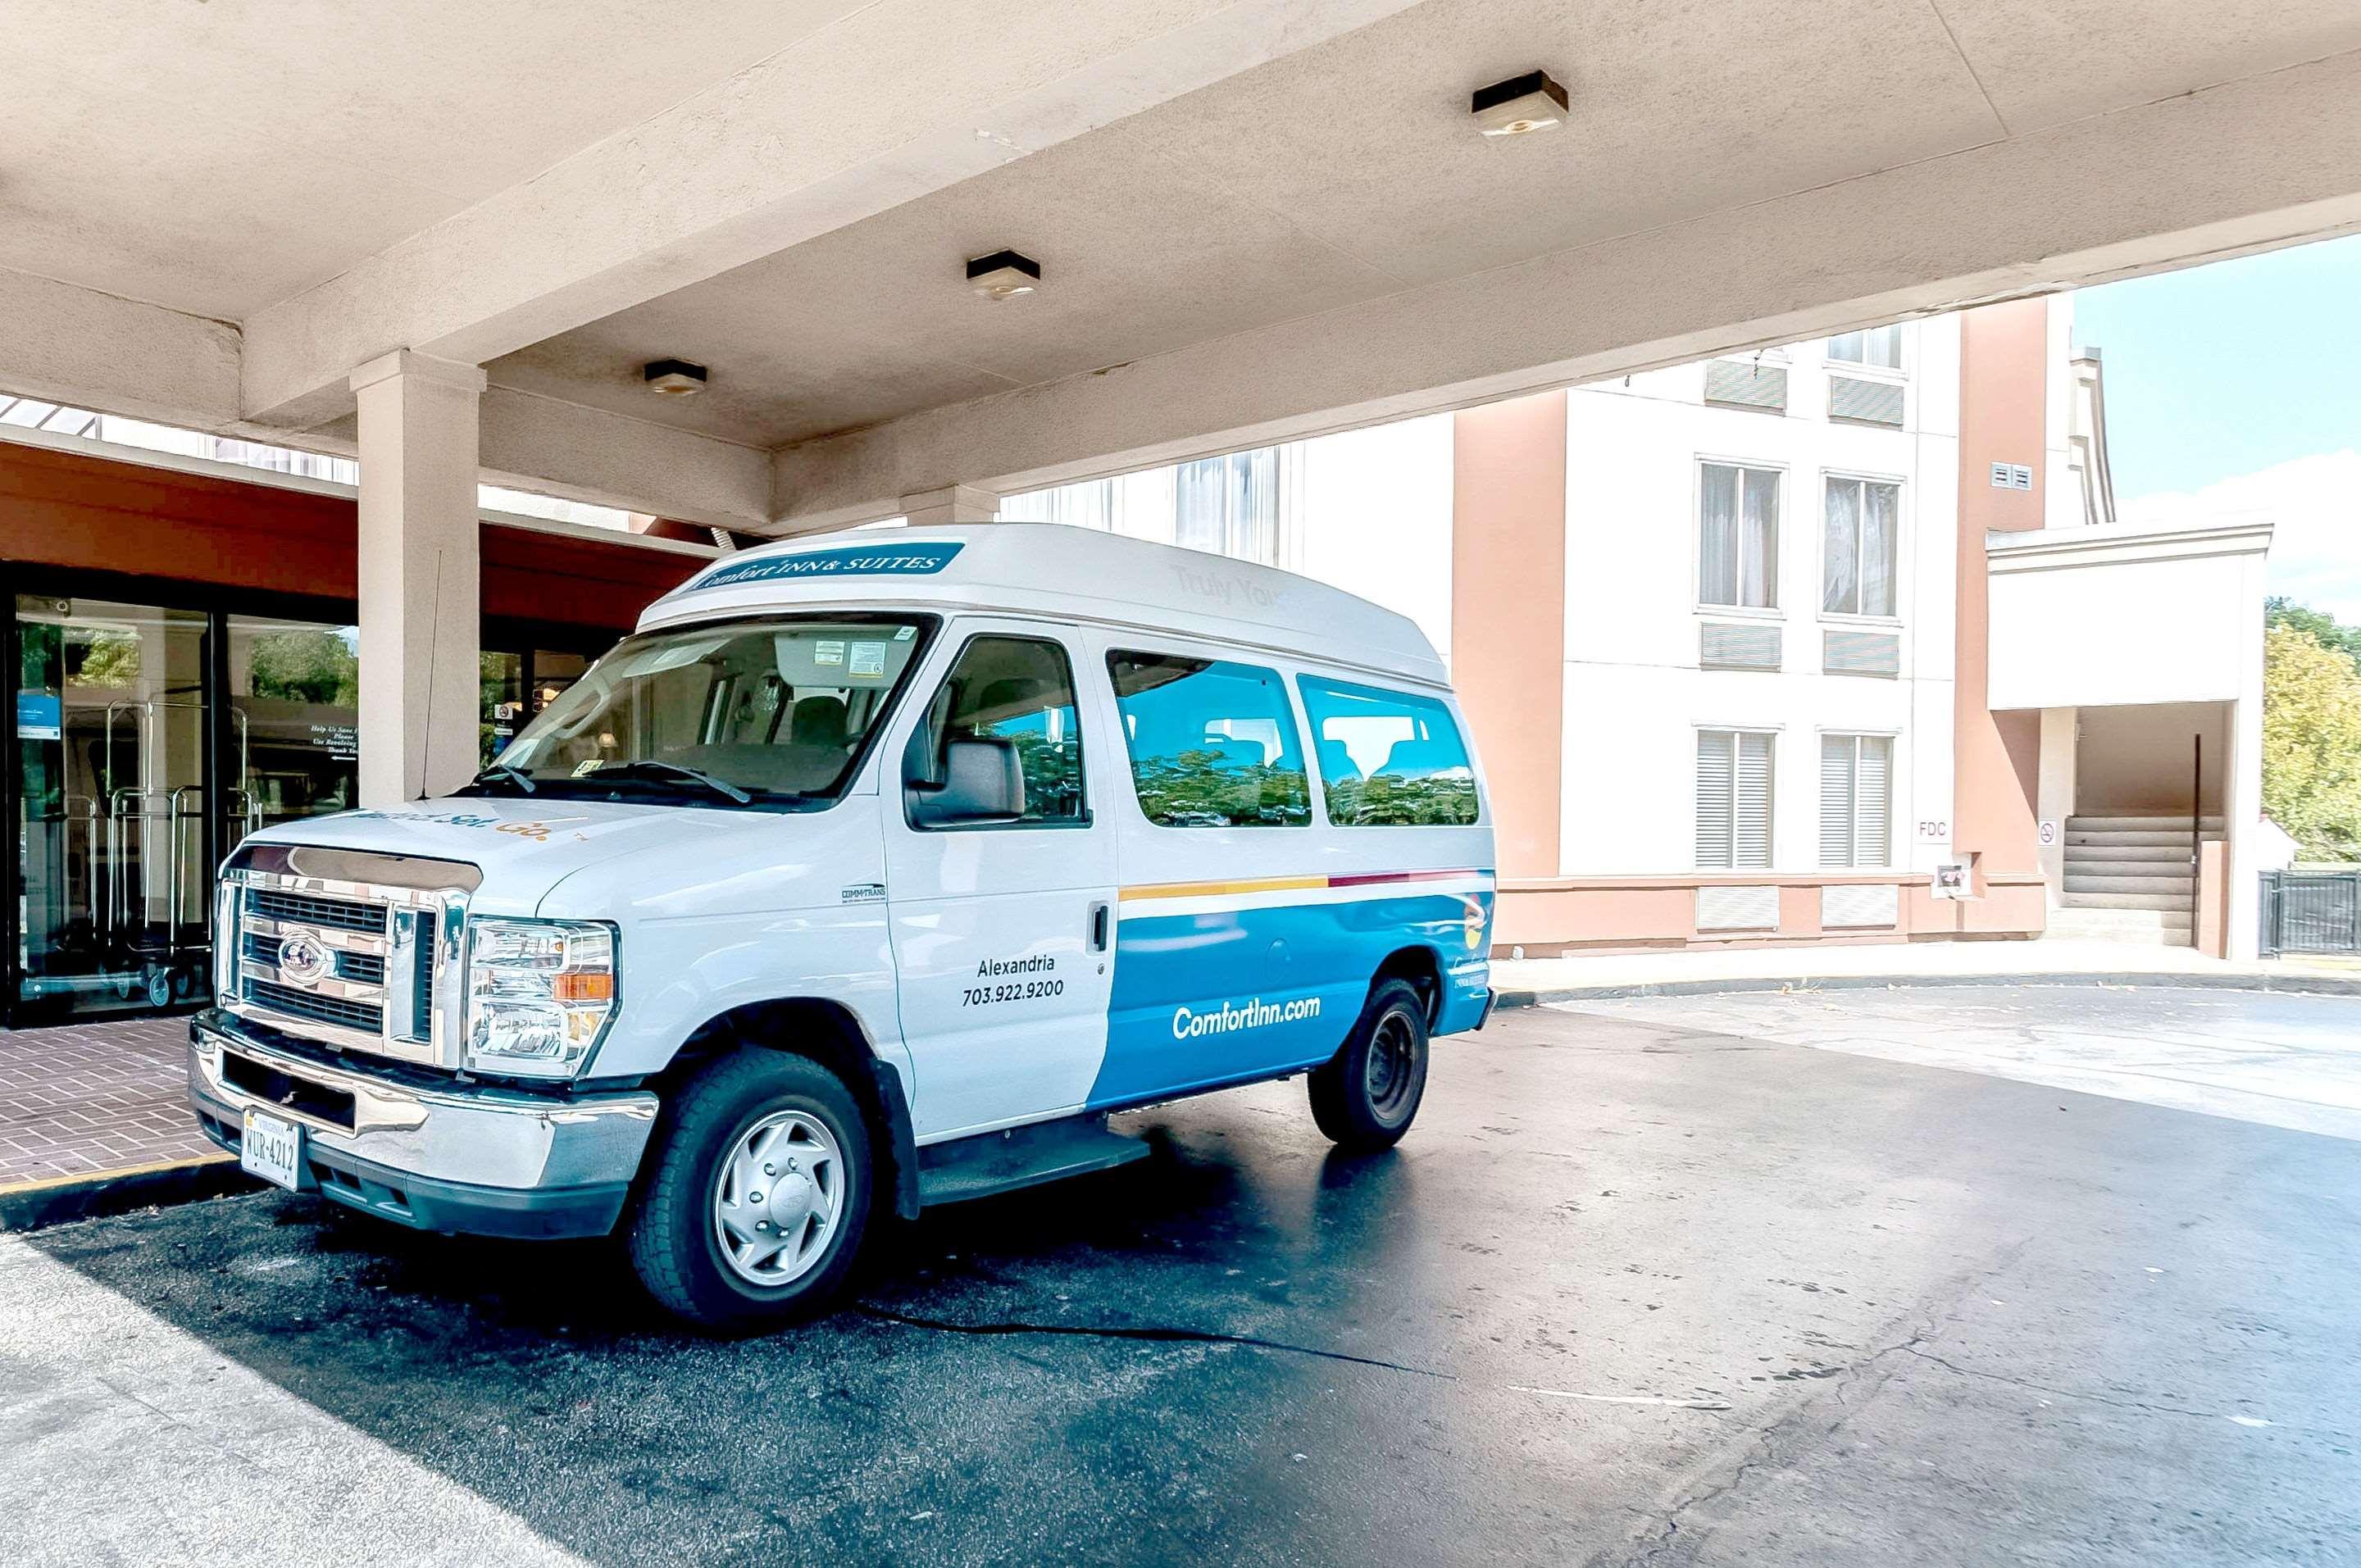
point(1363, 879)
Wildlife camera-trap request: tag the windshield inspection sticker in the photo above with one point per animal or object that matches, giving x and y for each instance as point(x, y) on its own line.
point(868, 658)
point(862, 561)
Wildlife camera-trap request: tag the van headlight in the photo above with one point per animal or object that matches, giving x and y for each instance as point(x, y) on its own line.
point(539, 993)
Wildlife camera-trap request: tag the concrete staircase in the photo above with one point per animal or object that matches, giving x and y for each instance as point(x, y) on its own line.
point(2129, 879)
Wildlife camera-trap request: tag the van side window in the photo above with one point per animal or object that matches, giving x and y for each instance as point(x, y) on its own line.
point(1388, 759)
point(1212, 742)
point(1001, 742)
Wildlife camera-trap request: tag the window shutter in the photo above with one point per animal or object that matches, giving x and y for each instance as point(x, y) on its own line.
point(1750, 834)
point(1715, 781)
point(1872, 810)
point(1836, 800)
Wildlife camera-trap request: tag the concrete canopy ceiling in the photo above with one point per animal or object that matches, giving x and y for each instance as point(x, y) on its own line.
point(785, 190)
point(1349, 171)
point(217, 158)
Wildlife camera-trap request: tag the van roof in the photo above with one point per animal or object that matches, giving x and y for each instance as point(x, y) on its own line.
point(1066, 573)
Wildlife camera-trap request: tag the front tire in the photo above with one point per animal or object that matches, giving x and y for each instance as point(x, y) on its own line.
point(1365, 1095)
point(759, 1197)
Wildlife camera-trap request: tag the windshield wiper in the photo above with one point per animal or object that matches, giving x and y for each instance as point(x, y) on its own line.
point(506, 772)
point(646, 765)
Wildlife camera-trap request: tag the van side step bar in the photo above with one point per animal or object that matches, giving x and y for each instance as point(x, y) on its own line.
point(993, 1163)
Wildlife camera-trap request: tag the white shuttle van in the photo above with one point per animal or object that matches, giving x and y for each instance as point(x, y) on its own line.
point(863, 876)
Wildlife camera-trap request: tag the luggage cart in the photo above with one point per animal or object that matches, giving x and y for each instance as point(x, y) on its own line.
point(171, 959)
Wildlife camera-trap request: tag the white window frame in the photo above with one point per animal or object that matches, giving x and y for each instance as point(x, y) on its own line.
point(1902, 532)
point(1776, 609)
point(1857, 734)
point(1902, 345)
point(1769, 796)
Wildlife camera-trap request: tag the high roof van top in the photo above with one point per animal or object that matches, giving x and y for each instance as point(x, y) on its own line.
point(1054, 569)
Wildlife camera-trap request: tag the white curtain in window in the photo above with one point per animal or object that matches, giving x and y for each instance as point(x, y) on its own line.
point(1759, 541)
point(1200, 519)
point(1254, 506)
point(1857, 572)
point(1840, 554)
point(1737, 536)
point(1229, 505)
point(1880, 505)
point(1717, 536)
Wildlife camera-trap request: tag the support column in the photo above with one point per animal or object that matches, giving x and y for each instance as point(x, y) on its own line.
point(2060, 745)
point(1995, 756)
point(1508, 625)
point(2242, 815)
point(953, 503)
point(421, 575)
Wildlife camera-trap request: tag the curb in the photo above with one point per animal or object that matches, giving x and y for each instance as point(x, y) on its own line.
point(2305, 984)
point(64, 1198)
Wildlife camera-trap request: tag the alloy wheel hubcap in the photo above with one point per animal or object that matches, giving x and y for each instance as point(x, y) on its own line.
point(779, 1199)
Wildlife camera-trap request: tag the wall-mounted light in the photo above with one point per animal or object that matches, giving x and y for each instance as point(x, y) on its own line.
point(1533, 101)
point(673, 377)
point(1004, 275)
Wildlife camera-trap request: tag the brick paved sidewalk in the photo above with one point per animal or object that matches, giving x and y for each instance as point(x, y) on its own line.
point(88, 1099)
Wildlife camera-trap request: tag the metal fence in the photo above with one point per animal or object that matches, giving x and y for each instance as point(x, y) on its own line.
point(2311, 912)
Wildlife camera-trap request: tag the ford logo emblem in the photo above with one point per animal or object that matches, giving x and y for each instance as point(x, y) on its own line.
point(304, 958)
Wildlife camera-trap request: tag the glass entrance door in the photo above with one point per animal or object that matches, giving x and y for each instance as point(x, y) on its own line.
point(294, 736)
point(112, 841)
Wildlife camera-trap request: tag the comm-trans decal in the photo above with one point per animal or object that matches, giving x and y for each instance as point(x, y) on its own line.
point(852, 560)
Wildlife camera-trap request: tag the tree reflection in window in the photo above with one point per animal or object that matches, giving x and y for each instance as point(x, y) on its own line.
point(1212, 743)
point(1389, 759)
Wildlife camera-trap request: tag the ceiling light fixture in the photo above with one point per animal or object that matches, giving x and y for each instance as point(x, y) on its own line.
point(1533, 101)
point(1004, 275)
point(673, 377)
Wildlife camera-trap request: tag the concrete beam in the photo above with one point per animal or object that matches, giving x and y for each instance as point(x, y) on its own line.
point(856, 118)
point(65, 343)
point(584, 454)
point(2266, 161)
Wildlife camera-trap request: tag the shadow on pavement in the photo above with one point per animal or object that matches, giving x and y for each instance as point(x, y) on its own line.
point(970, 1390)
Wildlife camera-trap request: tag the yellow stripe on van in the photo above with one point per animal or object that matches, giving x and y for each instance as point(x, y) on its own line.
point(1216, 889)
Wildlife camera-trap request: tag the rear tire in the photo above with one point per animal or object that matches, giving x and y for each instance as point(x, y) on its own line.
point(759, 1195)
point(1365, 1095)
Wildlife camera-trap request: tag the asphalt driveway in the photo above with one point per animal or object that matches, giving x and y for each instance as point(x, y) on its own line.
point(1635, 1290)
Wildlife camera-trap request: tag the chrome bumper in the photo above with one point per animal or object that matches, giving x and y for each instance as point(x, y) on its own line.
point(470, 1157)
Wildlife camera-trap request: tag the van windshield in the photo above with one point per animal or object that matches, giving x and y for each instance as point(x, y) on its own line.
point(774, 712)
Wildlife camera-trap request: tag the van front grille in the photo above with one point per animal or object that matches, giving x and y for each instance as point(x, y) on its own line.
point(309, 909)
point(366, 1016)
point(364, 969)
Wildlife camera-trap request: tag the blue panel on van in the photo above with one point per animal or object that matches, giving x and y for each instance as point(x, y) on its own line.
point(856, 561)
point(1205, 999)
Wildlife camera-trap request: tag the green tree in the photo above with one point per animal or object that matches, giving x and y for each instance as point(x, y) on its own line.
point(2312, 741)
point(2324, 630)
point(97, 658)
point(315, 666)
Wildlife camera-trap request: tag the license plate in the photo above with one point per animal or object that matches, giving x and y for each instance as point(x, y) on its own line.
point(272, 1149)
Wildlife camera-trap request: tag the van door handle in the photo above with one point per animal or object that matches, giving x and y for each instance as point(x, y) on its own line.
point(1099, 914)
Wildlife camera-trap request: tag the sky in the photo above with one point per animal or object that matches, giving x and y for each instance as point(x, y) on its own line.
point(2235, 388)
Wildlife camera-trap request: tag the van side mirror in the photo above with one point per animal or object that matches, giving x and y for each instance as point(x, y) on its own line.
point(982, 781)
